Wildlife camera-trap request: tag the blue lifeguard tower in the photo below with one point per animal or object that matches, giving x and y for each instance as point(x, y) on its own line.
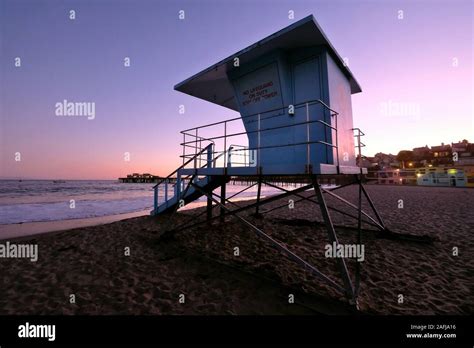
point(293, 92)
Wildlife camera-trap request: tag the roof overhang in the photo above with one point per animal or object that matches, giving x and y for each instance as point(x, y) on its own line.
point(213, 85)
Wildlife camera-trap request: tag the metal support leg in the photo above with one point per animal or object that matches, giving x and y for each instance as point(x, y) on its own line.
point(277, 244)
point(372, 205)
point(223, 194)
point(309, 199)
point(353, 206)
point(239, 209)
point(259, 190)
point(209, 209)
point(333, 239)
point(359, 237)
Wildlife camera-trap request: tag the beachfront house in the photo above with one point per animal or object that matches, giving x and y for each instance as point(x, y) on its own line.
point(441, 176)
point(396, 176)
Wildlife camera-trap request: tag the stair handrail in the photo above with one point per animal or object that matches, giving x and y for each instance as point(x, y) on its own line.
point(183, 165)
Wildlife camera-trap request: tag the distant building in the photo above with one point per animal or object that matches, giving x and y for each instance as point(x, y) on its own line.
point(469, 174)
point(396, 176)
point(386, 160)
point(366, 162)
point(465, 160)
point(463, 153)
point(442, 176)
point(442, 154)
point(421, 156)
point(461, 147)
point(441, 165)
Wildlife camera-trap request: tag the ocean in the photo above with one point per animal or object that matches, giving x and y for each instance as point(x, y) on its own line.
point(46, 200)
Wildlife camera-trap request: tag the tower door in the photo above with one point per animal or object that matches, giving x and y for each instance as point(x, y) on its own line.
point(306, 88)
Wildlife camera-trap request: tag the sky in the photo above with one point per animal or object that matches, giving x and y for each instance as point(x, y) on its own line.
point(413, 60)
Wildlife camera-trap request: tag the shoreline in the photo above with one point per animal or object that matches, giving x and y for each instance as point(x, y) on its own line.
point(38, 228)
point(31, 229)
point(35, 228)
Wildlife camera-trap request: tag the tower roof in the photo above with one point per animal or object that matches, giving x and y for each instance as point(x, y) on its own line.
point(213, 85)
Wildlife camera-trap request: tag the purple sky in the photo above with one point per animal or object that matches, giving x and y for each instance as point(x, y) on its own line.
point(421, 63)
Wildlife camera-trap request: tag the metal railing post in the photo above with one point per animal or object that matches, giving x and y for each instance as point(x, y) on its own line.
point(337, 142)
point(200, 148)
point(308, 147)
point(360, 150)
point(258, 141)
point(225, 143)
point(209, 155)
point(195, 149)
point(178, 185)
point(166, 192)
point(155, 200)
point(229, 159)
point(359, 144)
point(184, 146)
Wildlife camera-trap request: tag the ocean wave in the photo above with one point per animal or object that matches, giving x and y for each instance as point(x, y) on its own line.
point(36, 212)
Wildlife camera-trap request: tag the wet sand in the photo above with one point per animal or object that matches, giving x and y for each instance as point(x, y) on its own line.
point(33, 228)
point(200, 263)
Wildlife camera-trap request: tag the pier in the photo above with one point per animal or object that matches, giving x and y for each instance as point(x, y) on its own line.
point(145, 178)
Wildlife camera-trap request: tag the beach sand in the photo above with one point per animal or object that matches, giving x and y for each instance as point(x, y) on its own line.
point(201, 264)
point(25, 229)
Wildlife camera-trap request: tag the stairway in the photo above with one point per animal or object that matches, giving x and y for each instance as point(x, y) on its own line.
point(184, 193)
point(207, 183)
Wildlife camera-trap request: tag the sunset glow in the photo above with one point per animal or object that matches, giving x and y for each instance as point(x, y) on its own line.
point(415, 72)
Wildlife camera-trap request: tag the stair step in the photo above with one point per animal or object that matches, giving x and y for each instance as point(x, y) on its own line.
point(192, 194)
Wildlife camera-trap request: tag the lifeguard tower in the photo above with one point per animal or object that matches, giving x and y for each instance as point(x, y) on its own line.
point(293, 92)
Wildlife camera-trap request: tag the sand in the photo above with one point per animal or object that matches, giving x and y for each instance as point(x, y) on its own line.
point(26, 229)
point(201, 264)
